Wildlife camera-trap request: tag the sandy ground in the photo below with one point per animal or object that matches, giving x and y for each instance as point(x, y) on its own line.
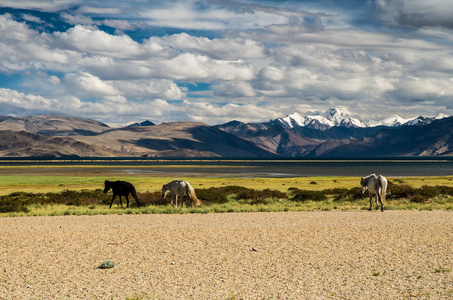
point(300, 255)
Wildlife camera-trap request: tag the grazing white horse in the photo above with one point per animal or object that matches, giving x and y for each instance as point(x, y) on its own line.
point(180, 188)
point(377, 186)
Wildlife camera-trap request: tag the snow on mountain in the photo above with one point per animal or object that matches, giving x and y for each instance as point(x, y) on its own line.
point(441, 116)
point(336, 117)
point(320, 120)
point(293, 120)
point(394, 120)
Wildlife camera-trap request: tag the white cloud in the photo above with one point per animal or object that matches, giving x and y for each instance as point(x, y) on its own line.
point(258, 62)
point(186, 14)
point(225, 48)
point(93, 41)
point(41, 5)
point(119, 24)
point(234, 89)
point(149, 89)
point(29, 102)
point(193, 67)
point(83, 84)
point(99, 10)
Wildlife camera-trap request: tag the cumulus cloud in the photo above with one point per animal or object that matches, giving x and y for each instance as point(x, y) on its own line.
point(234, 89)
point(256, 61)
point(87, 85)
point(34, 103)
point(94, 41)
point(225, 48)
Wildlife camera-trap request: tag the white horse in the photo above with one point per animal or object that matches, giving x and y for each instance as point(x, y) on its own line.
point(377, 186)
point(180, 188)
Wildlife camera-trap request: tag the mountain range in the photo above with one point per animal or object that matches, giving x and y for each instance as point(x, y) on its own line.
point(332, 133)
point(336, 117)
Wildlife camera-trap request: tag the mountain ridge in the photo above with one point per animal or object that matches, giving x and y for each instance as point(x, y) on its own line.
point(66, 136)
point(335, 117)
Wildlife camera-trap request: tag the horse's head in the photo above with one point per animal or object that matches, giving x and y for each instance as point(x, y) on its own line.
point(363, 185)
point(107, 186)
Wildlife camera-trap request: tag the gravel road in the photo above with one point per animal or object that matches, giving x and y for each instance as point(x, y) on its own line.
point(290, 255)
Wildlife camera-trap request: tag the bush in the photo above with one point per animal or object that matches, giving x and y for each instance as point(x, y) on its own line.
point(212, 195)
point(12, 206)
point(400, 190)
point(151, 198)
point(220, 194)
point(349, 195)
point(418, 195)
point(305, 195)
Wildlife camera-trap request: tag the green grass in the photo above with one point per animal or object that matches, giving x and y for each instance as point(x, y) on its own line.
point(44, 195)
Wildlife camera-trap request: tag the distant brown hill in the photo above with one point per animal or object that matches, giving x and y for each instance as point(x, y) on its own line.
point(53, 125)
point(61, 136)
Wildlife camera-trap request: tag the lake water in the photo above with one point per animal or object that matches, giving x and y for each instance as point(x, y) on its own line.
point(259, 168)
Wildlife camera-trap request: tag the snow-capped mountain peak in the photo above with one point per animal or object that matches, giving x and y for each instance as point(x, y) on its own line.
point(320, 120)
point(394, 120)
point(293, 120)
point(336, 117)
point(441, 116)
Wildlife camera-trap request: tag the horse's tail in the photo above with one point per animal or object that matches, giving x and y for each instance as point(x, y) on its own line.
point(192, 195)
point(134, 194)
point(383, 183)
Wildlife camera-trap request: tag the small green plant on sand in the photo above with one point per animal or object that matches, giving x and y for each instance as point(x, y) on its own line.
point(107, 265)
point(442, 270)
point(376, 273)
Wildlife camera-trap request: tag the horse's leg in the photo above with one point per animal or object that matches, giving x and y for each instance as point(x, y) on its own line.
point(380, 201)
point(376, 200)
point(113, 198)
point(172, 201)
point(371, 202)
point(127, 200)
point(176, 201)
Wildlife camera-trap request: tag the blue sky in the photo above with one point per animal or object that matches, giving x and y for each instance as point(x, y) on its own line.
point(214, 61)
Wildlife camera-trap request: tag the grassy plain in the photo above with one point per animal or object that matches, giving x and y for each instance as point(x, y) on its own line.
point(53, 179)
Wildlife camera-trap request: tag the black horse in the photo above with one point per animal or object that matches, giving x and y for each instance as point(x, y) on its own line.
point(121, 188)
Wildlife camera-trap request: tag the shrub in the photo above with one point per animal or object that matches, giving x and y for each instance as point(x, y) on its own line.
point(418, 195)
point(428, 191)
point(152, 198)
point(12, 206)
point(401, 191)
point(351, 194)
point(212, 195)
point(220, 194)
point(305, 195)
point(260, 195)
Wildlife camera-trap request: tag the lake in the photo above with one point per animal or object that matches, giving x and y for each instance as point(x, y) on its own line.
point(251, 167)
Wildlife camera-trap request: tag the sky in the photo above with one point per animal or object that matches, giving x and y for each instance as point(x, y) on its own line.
point(214, 61)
